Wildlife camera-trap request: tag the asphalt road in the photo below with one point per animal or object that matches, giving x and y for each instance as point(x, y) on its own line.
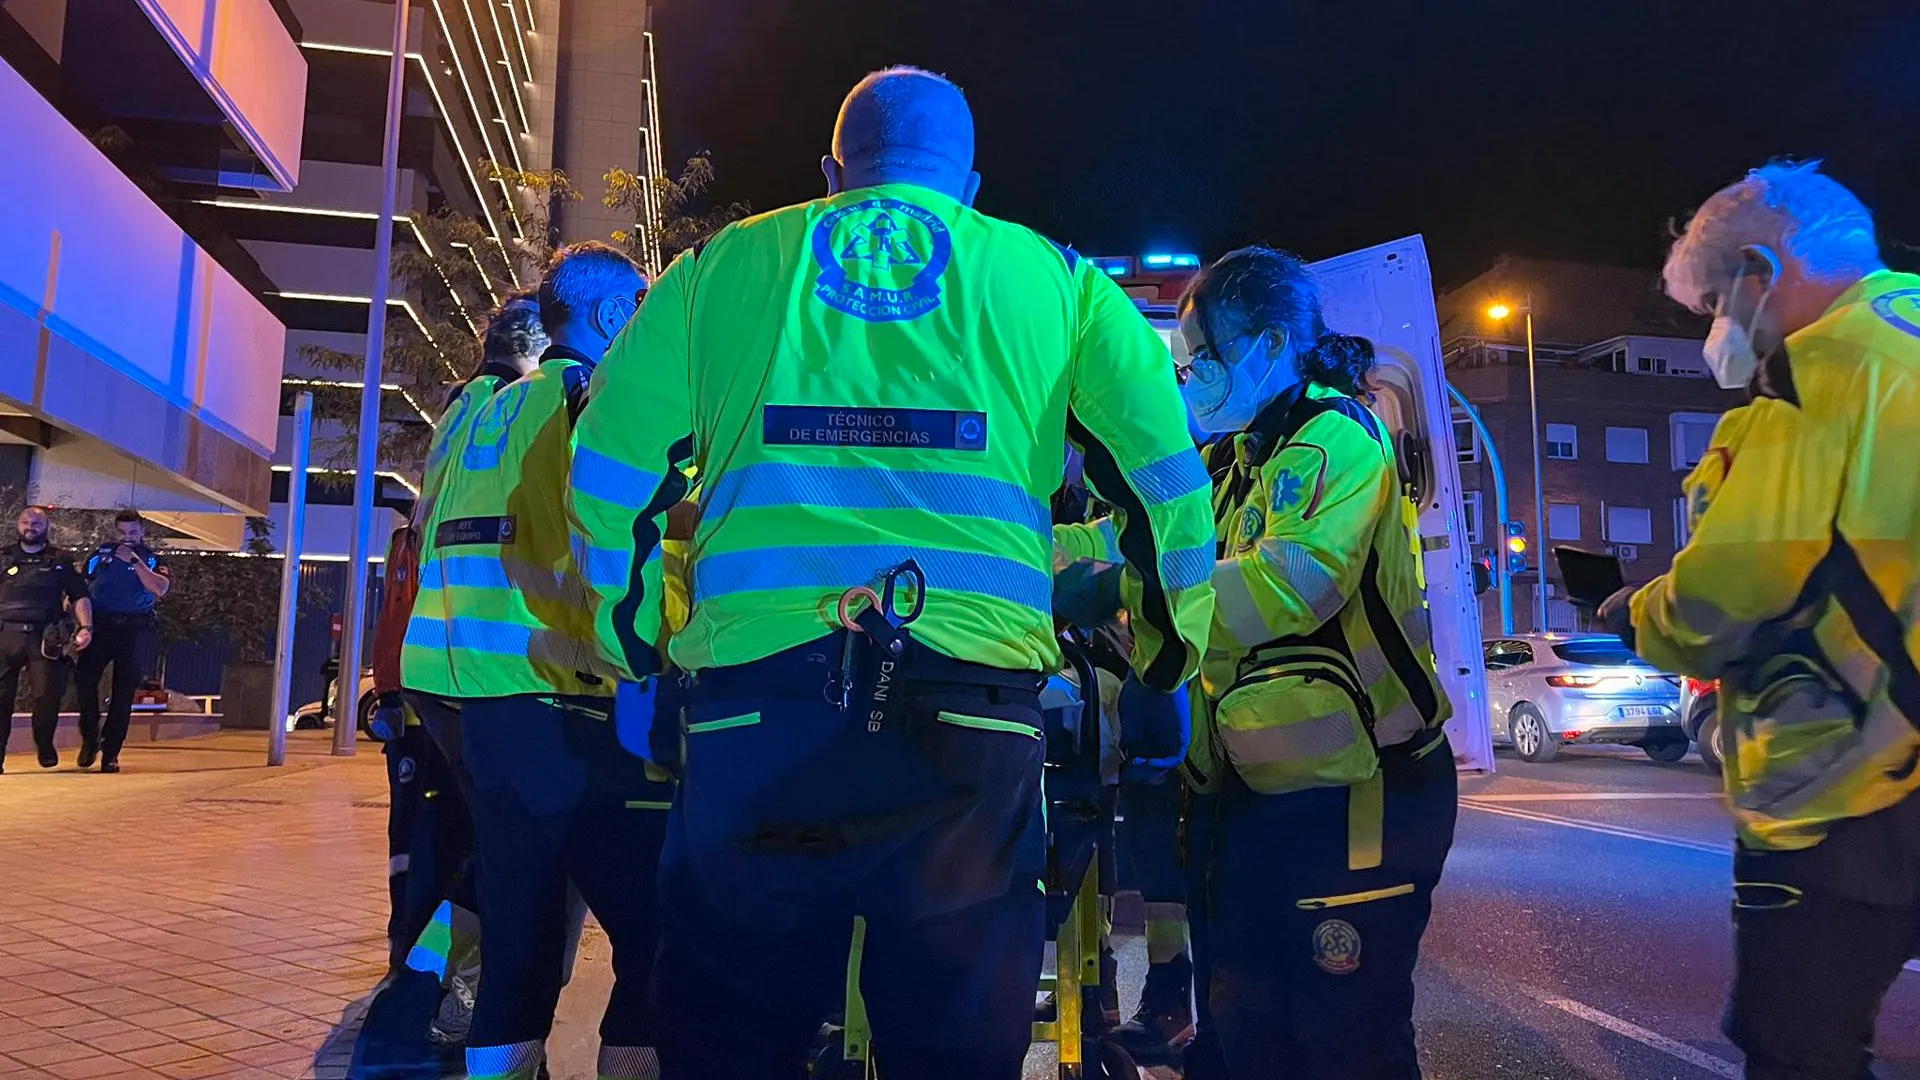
point(1582, 931)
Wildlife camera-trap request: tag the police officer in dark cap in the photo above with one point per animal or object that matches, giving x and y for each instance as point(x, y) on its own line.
point(127, 580)
point(37, 583)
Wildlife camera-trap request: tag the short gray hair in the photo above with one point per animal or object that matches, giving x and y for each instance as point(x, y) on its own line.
point(580, 276)
point(1788, 206)
point(905, 119)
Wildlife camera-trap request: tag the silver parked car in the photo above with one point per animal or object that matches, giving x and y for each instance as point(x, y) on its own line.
point(1546, 691)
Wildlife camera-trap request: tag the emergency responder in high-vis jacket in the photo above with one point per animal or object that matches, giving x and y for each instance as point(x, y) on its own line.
point(1797, 592)
point(501, 626)
point(1328, 789)
point(433, 930)
point(877, 388)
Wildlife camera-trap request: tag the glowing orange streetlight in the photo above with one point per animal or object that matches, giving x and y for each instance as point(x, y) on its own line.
point(1499, 312)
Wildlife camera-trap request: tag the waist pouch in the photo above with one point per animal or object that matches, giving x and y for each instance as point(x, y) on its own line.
point(1785, 724)
point(1297, 717)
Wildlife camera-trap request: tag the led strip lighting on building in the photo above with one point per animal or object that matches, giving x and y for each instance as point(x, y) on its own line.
point(314, 470)
point(357, 215)
point(481, 120)
point(493, 88)
point(358, 384)
point(446, 120)
point(519, 39)
point(506, 61)
point(339, 298)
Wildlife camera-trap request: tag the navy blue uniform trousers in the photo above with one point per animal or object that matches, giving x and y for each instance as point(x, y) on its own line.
point(1819, 937)
point(1309, 964)
point(793, 817)
point(554, 796)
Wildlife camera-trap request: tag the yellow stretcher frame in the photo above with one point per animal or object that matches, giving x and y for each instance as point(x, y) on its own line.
point(1076, 967)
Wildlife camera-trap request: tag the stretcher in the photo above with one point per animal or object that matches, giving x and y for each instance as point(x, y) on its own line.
point(1081, 805)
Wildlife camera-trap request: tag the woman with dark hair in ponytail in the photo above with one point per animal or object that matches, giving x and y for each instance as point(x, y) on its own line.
point(1325, 789)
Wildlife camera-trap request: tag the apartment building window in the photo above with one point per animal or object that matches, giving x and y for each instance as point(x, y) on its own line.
point(1563, 521)
point(1653, 365)
point(1627, 445)
point(1563, 442)
point(1629, 525)
point(1466, 441)
point(1470, 504)
point(1682, 523)
point(1692, 433)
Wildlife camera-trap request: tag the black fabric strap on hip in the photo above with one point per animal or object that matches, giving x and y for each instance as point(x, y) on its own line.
point(1405, 664)
point(1879, 628)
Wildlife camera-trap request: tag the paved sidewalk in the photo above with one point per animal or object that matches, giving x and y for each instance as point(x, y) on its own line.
point(201, 915)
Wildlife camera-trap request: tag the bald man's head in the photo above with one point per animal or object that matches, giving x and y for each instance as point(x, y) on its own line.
point(904, 125)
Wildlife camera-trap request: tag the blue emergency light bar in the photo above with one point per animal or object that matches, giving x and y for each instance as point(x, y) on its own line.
point(1115, 267)
point(1170, 261)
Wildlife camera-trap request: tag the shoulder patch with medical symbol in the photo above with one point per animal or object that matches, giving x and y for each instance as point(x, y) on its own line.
point(1295, 480)
point(1703, 483)
point(1336, 947)
point(1252, 523)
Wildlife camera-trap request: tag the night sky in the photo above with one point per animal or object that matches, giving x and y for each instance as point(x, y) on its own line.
point(1542, 127)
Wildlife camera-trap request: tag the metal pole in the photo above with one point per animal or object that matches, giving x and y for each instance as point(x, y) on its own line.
point(347, 699)
point(1499, 506)
point(291, 544)
point(1539, 499)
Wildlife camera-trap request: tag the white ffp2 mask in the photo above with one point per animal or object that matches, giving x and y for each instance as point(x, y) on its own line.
point(1730, 354)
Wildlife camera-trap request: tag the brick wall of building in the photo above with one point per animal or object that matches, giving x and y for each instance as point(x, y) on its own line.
point(1591, 401)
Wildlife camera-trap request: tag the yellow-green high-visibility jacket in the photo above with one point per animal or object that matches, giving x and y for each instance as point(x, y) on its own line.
point(1321, 645)
point(882, 375)
point(502, 608)
point(451, 430)
point(1798, 588)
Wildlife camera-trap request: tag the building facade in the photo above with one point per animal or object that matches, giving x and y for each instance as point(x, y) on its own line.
point(1626, 405)
point(139, 342)
point(518, 85)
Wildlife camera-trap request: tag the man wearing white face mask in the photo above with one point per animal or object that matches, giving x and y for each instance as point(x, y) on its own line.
point(1798, 593)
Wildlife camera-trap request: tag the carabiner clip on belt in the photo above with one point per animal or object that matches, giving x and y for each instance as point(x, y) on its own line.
point(877, 642)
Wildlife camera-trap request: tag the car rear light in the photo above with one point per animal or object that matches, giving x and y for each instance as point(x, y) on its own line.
point(1575, 680)
point(1570, 735)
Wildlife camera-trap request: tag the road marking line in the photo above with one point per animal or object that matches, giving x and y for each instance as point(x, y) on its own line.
point(1595, 796)
point(1595, 827)
point(1673, 1048)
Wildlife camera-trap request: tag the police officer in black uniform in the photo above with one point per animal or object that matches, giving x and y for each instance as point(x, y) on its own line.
point(127, 580)
point(37, 582)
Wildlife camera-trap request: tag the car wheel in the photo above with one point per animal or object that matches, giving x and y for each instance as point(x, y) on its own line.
point(1708, 737)
point(1667, 751)
point(1531, 739)
point(367, 705)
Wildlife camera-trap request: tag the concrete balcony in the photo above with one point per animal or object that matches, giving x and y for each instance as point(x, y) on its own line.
point(152, 372)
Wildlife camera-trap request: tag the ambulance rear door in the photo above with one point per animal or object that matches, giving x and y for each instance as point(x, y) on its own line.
point(1385, 294)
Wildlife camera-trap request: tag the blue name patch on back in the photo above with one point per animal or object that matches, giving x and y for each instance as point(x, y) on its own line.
point(917, 429)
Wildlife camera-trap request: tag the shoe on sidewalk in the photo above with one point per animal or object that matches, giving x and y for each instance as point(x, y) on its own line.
point(1164, 1023)
point(89, 752)
point(396, 1037)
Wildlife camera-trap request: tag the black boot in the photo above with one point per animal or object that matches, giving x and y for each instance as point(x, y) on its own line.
point(89, 752)
point(49, 757)
point(1164, 1022)
point(396, 1039)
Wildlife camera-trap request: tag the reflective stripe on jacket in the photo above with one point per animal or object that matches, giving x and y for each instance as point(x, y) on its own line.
point(502, 607)
point(883, 375)
point(1798, 587)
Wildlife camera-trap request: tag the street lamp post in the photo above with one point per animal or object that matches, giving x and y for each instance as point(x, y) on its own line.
point(1498, 312)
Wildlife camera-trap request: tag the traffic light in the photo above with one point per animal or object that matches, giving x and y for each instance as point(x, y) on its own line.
point(1516, 547)
point(1483, 573)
